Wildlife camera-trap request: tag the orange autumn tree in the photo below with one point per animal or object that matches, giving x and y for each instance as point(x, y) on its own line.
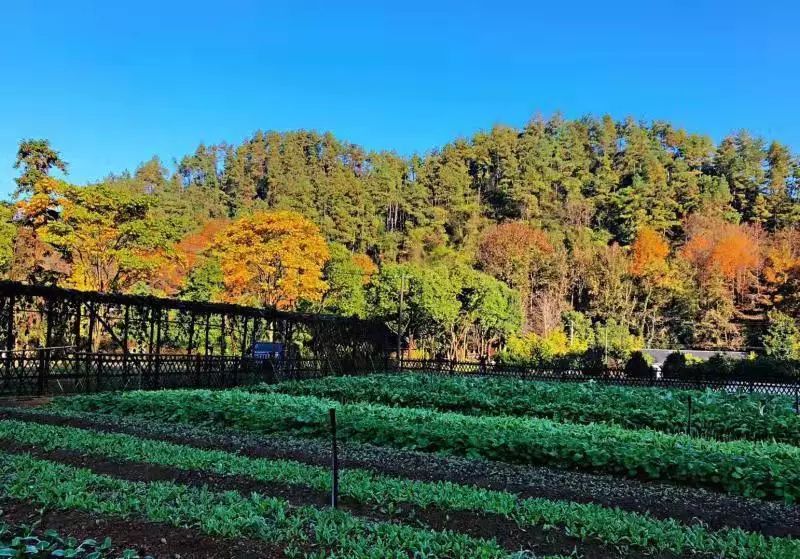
point(782, 267)
point(514, 252)
point(187, 254)
point(649, 253)
point(523, 257)
point(782, 258)
point(273, 259)
point(726, 250)
point(366, 265)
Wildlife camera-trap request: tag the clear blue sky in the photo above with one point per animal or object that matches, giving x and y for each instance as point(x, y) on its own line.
point(112, 83)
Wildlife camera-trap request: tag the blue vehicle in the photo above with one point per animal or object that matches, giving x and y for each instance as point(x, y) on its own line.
point(268, 350)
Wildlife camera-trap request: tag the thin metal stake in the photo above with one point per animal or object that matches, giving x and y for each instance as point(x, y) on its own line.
point(334, 461)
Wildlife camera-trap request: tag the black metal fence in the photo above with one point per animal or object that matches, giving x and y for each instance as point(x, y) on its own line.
point(30, 375)
point(611, 376)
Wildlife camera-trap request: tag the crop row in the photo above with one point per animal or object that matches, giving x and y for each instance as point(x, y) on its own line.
point(305, 531)
point(715, 414)
point(756, 469)
point(610, 526)
point(23, 541)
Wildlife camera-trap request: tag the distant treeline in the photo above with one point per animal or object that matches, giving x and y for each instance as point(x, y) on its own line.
point(556, 237)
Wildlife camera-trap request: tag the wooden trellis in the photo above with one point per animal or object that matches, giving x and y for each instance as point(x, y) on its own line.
point(64, 340)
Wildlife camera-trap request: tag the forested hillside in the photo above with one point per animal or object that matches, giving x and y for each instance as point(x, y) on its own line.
point(554, 237)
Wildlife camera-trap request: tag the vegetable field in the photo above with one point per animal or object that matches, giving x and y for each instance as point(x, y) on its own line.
point(430, 467)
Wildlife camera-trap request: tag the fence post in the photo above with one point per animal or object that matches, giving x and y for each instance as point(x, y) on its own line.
point(797, 397)
point(42, 370)
point(44, 355)
point(334, 461)
point(98, 378)
point(689, 416)
point(10, 337)
point(198, 363)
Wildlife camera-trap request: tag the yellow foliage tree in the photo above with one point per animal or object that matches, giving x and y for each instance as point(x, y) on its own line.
point(105, 235)
point(273, 259)
point(41, 207)
point(366, 265)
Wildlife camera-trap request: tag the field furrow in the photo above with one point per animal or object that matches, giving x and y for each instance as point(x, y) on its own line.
point(514, 523)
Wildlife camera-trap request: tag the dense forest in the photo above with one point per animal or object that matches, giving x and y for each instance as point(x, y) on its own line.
point(555, 237)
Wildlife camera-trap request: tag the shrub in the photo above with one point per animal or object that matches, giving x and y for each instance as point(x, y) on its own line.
point(638, 367)
point(674, 365)
point(764, 368)
point(718, 367)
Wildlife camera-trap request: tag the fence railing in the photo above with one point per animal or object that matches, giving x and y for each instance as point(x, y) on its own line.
point(616, 376)
point(60, 370)
point(39, 372)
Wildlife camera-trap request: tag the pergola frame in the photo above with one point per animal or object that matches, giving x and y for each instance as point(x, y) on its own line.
point(56, 339)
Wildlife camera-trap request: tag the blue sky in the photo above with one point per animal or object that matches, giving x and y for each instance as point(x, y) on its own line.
point(113, 83)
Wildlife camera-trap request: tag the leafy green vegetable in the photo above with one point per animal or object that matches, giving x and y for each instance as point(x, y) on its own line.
point(756, 469)
point(229, 514)
point(611, 526)
point(21, 541)
point(715, 414)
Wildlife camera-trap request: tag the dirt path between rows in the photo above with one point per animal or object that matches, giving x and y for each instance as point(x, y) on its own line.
point(147, 538)
point(661, 500)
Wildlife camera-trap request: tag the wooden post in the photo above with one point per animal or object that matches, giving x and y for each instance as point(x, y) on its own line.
point(198, 364)
point(90, 343)
point(334, 461)
point(256, 322)
point(77, 340)
point(158, 349)
point(149, 383)
point(191, 334)
point(208, 325)
point(44, 353)
point(125, 328)
point(797, 397)
point(99, 375)
point(222, 346)
point(240, 368)
point(244, 336)
point(10, 343)
point(206, 356)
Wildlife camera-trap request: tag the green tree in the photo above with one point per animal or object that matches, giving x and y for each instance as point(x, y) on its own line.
point(346, 294)
point(204, 282)
point(782, 339)
point(36, 158)
point(106, 237)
